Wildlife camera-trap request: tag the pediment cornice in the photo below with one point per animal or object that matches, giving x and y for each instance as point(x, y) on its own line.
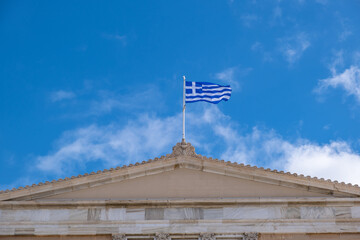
point(182, 156)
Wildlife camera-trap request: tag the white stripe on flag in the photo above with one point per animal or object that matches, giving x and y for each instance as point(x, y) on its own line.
point(208, 99)
point(208, 94)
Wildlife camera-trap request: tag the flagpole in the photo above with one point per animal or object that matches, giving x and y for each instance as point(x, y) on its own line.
point(183, 111)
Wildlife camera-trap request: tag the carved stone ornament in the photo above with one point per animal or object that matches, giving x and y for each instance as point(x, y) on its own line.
point(118, 236)
point(183, 148)
point(207, 236)
point(250, 236)
point(162, 236)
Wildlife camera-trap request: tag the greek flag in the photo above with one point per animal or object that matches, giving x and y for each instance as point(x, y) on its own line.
point(207, 92)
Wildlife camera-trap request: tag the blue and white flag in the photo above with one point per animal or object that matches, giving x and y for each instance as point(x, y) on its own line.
point(207, 92)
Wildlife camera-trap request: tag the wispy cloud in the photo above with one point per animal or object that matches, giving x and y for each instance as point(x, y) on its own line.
point(249, 20)
point(258, 47)
point(323, 2)
point(148, 136)
point(232, 76)
point(82, 48)
point(345, 29)
point(99, 102)
point(301, 1)
point(266, 148)
point(61, 95)
point(337, 62)
point(277, 12)
point(276, 17)
point(121, 38)
point(356, 58)
point(22, 181)
point(293, 47)
point(345, 34)
point(349, 81)
point(137, 99)
point(111, 145)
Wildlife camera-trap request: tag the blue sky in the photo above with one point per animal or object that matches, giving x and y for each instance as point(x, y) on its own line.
point(88, 85)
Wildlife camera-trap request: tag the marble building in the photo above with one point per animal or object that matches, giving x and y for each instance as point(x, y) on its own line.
point(182, 196)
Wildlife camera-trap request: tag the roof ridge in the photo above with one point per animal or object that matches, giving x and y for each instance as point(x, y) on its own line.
point(280, 172)
point(179, 149)
point(86, 174)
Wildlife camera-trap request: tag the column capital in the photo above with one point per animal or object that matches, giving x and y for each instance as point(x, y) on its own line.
point(207, 236)
point(118, 236)
point(162, 236)
point(250, 236)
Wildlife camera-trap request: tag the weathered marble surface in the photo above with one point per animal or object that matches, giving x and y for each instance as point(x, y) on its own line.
point(183, 213)
point(106, 214)
point(317, 212)
point(175, 220)
point(213, 213)
point(216, 216)
point(355, 212)
point(135, 214)
point(182, 227)
point(115, 214)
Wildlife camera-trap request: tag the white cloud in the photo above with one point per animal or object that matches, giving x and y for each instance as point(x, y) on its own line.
point(103, 102)
point(335, 161)
point(133, 100)
point(323, 2)
point(292, 48)
point(349, 81)
point(209, 130)
point(112, 145)
point(61, 95)
point(228, 76)
point(22, 181)
point(276, 17)
point(258, 47)
point(249, 19)
point(346, 26)
point(338, 61)
point(277, 12)
point(344, 35)
point(301, 1)
point(327, 126)
point(121, 38)
point(356, 58)
point(232, 75)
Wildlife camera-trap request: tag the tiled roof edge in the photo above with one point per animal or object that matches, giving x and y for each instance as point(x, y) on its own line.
point(193, 154)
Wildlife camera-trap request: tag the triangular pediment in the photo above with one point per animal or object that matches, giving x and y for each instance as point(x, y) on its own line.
point(183, 174)
point(185, 183)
